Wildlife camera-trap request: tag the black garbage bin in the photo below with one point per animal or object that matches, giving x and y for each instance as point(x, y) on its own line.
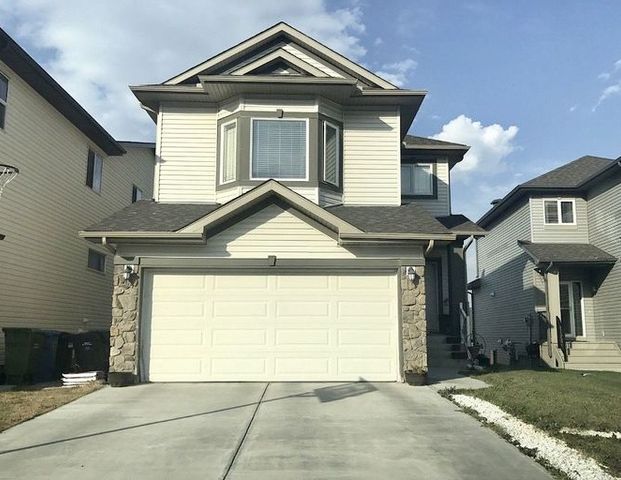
point(23, 347)
point(64, 354)
point(44, 362)
point(92, 350)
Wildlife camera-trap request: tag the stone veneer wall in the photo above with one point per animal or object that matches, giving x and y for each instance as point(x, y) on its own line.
point(124, 329)
point(414, 321)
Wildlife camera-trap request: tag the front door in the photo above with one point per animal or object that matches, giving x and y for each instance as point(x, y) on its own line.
point(571, 309)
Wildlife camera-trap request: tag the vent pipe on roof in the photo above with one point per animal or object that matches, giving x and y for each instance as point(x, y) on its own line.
point(496, 201)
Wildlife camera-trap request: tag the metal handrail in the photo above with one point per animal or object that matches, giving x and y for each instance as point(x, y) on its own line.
point(560, 338)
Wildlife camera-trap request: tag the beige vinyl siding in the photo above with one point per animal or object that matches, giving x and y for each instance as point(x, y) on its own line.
point(44, 278)
point(187, 154)
point(506, 295)
point(604, 213)
point(272, 231)
point(371, 157)
point(543, 233)
point(311, 60)
point(441, 205)
point(330, 109)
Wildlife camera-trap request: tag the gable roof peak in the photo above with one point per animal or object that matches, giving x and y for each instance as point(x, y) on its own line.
point(261, 39)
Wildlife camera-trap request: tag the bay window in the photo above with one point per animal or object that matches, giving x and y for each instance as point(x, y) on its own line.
point(279, 149)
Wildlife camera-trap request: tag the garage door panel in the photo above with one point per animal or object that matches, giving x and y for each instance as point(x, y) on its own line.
point(239, 309)
point(302, 309)
point(362, 308)
point(315, 327)
point(239, 337)
point(357, 337)
point(179, 309)
point(302, 336)
point(298, 366)
point(238, 366)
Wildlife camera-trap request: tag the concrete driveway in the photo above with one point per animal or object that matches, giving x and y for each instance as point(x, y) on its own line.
point(256, 431)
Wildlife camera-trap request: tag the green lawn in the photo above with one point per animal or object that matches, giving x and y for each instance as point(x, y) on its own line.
point(555, 399)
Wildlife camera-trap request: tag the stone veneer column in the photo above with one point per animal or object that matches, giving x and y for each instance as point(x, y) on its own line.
point(124, 329)
point(414, 321)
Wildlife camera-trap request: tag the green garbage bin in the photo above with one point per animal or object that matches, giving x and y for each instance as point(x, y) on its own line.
point(23, 347)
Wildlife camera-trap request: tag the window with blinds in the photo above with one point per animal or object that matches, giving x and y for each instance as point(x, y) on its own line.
point(331, 153)
point(228, 145)
point(417, 179)
point(279, 149)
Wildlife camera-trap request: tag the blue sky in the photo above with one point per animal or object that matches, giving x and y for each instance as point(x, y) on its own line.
point(529, 84)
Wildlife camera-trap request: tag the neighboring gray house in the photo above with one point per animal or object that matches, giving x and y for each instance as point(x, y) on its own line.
point(552, 255)
point(297, 232)
point(72, 172)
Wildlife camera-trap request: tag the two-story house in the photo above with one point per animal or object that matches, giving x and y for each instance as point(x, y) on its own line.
point(296, 232)
point(72, 172)
point(549, 270)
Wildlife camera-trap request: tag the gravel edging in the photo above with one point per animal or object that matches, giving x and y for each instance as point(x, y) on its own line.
point(553, 451)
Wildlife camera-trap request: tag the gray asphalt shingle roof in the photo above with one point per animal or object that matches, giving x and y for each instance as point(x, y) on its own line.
point(460, 224)
point(150, 216)
point(573, 175)
point(584, 253)
point(570, 175)
point(414, 141)
point(409, 218)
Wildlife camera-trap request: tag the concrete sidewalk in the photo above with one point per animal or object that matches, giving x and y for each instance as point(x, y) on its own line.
point(297, 430)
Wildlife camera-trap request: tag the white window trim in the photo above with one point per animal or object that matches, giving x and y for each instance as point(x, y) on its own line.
point(338, 152)
point(222, 127)
point(558, 210)
point(412, 166)
point(305, 120)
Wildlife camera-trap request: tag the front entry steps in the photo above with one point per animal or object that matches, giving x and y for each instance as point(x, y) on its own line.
point(444, 351)
point(604, 356)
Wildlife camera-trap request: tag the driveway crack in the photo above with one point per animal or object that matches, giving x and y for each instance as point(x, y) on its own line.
point(242, 439)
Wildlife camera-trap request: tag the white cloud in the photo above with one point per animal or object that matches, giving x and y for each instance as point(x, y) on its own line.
point(573, 108)
point(378, 41)
point(608, 92)
point(397, 73)
point(604, 76)
point(489, 145)
point(617, 64)
point(96, 50)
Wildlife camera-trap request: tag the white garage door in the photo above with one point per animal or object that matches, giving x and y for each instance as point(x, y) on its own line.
point(259, 327)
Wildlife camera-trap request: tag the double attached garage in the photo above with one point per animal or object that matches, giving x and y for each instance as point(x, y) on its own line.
point(257, 326)
point(267, 287)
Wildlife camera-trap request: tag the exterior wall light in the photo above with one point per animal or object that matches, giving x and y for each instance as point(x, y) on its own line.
point(128, 272)
point(411, 273)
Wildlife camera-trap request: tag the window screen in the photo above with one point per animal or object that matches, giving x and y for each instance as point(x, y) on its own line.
point(567, 212)
point(229, 151)
point(551, 211)
point(279, 149)
point(331, 154)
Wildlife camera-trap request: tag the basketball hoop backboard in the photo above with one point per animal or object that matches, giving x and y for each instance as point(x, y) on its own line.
point(7, 174)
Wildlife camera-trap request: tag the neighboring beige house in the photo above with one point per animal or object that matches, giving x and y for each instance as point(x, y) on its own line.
point(72, 172)
point(552, 254)
point(297, 233)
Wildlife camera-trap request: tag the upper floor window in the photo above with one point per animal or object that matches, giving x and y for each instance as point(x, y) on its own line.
point(331, 153)
point(94, 170)
point(417, 179)
point(559, 212)
point(136, 194)
point(279, 149)
point(4, 97)
point(228, 152)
